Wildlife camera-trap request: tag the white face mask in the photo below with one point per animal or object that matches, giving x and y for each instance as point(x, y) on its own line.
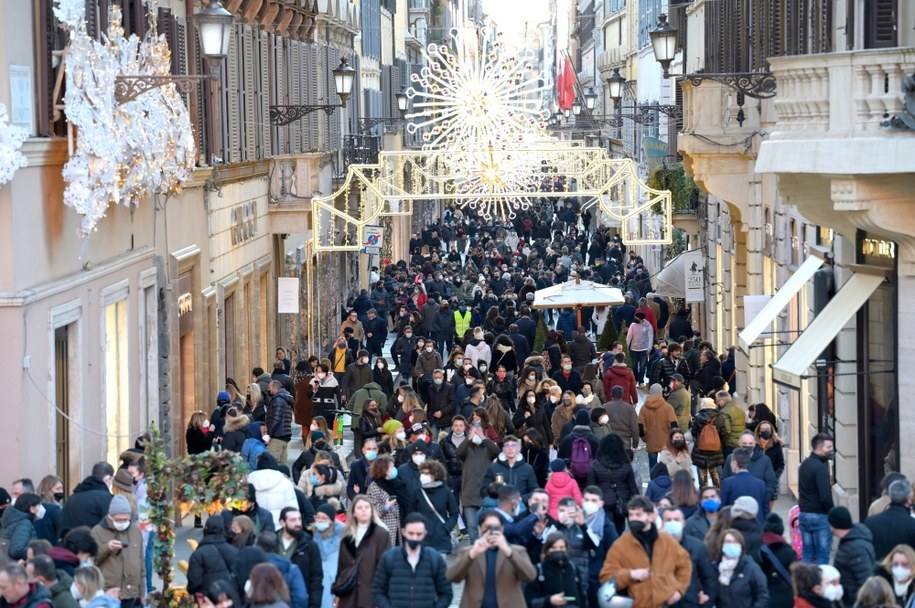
point(833, 593)
point(590, 508)
point(120, 526)
point(604, 419)
point(418, 459)
point(248, 587)
point(902, 573)
point(425, 479)
point(74, 591)
point(468, 380)
point(205, 425)
point(477, 440)
point(379, 365)
point(400, 435)
point(41, 512)
point(458, 362)
point(482, 368)
point(532, 400)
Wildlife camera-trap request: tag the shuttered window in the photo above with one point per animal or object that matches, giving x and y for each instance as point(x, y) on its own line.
point(50, 38)
point(880, 23)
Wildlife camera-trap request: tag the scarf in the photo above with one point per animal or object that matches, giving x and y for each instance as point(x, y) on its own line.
point(596, 525)
point(726, 568)
point(901, 589)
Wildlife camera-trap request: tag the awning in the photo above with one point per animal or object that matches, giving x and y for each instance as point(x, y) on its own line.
point(762, 322)
point(671, 281)
point(792, 365)
point(576, 293)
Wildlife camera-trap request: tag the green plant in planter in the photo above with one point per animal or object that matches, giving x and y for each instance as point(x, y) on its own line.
point(540, 336)
point(684, 195)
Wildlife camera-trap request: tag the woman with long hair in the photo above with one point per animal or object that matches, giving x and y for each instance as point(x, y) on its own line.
point(876, 593)
point(241, 532)
point(436, 502)
point(741, 583)
point(265, 587)
point(389, 495)
point(675, 454)
point(51, 490)
point(537, 454)
point(323, 484)
point(318, 423)
point(255, 405)
point(326, 390)
point(503, 387)
point(705, 457)
point(612, 472)
point(767, 438)
point(558, 578)
point(382, 376)
point(897, 569)
point(480, 419)
point(683, 492)
point(199, 434)
point(365, 539)
point(88, 588)
point(499, 418)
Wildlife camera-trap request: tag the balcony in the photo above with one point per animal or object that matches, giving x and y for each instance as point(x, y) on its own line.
point(294, 180)
point(834, 158)
point(609, 59)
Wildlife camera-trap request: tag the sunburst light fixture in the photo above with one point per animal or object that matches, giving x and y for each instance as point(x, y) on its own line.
point(476, 108)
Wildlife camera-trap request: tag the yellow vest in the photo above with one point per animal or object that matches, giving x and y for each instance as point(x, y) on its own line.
point(461, 325)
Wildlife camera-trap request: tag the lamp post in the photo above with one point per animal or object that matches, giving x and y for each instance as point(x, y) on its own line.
point(615, 84)
point(403, 104)
point(590, 99)
point(664, 43)
point(344, 76)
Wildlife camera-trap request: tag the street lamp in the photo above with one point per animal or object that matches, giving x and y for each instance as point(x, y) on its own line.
point(590, 99)
point(214, 26)
point(402, 100)
point(576, 107)
point(664, 43)
point(344, 76)
point(615, 84)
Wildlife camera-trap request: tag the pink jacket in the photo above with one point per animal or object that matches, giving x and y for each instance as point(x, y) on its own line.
point(558, 486)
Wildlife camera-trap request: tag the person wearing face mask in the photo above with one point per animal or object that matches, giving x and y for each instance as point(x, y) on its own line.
point(531, 414)
point(703, 586)
point(395, 439)
point(427, 361)
point(382, 376)
point(327, 535)
point(90, 499)
point(17, 524)
point(854, 558)
point(358, 374)
point(449, 446)
point(359, 470)
point(389, 495)
point(416, 454)
point(815, 501)
point(412, 575)
point(88, 588)
point(326, 392)
point(741, 583)
point(476, 454)
point(816, 586)
point(771, 444)
point(567, 378)
point(340, 357)
point(601, 532)
point(558, 582)
point(213, 558)
point(897, 569)
point(402, 351)
point(442, 401)
point(503, 386)
point(120, 554)
point(435, 501)
point(563, 413)
point(649, 565)
point(476, 349)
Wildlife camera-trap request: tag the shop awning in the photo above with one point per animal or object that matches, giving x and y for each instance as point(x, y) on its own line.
point(762, 322)
point(792, 365)
point(671, 281)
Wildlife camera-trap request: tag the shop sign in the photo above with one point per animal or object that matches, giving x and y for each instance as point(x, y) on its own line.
point(878, 248)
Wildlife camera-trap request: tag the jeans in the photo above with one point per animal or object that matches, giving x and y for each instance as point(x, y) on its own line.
point(148, 559)
point(470, 520)
point(639, 365)
point(652, 460)
point(817, 538)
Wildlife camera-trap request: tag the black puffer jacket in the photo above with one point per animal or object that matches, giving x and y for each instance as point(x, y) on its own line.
point(616, 480)
point(307, 557)
point(279, 415)
point(707, 459)
point(780, 593)
point(449, 451)
point(18, 530)
point(446, 506)
point(747, 588)
point(235, 432)
point(855, 559)
point(441, 399)
point(87, 506)
point(554, 577)
point(397, 583)
point(212, 561)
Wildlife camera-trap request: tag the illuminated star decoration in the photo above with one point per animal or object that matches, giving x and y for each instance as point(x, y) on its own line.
point(479, 111)
point(11, 138)
point(123, 152)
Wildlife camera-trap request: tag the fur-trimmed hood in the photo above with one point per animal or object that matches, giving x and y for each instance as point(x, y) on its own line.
point(239, 423)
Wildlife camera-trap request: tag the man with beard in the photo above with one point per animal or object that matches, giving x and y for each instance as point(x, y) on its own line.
point(297, 546)
point(650, 565)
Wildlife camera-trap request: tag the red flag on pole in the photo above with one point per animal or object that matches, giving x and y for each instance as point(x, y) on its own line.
point(565, 84)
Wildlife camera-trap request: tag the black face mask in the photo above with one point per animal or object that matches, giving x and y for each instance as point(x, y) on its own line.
point(637, 527)
point(765, 434)
point(560, 557)
point(413, 544)
point(59, 496)
point(679, 443)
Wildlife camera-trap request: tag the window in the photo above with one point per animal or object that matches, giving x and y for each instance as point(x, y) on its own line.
point(648, 18)
point(117, 394)
point(880, 24)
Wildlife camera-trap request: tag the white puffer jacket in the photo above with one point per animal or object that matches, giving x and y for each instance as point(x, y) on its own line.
point(274, 492)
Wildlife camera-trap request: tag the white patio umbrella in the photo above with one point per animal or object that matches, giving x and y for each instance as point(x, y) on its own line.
point(577, 294)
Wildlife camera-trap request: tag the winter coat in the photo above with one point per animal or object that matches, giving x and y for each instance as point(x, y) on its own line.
point(235, 433)
point(510, 574)
point(780, 592)
point(539, 459)
point(621, 375)
point(735, 423)
point(442, 498)
point(304, 399)
point(398, 584)
point(667, 367)
point(854, 558)
point(477, 350)
point(674, 463)
point(329, 550)
point(253, 446)
point(17, 528)
point(211, 561)
point(378, 496)
point(669, 563)
point(305, 555)
point(559, 486)
point(572, 382)
point(697, 525)
point(126, 568)
point(581, 351)
point(680, 401)
point(197, 441)
point(357, 376)
point(578, 432)
point(616, 481)
point(752, 535)
point(441, 399)
point(274, 492)
point(453, 464)
point(528, 417)
point(60, 592)
point(476, 462)
point(747, 589)
point(656, 418)
point(701, 458)
point(704, 577)
point(401, 352)
point(279, 415)
point(263, 520)
point(659, 486)
point(369, 552)
point(554, 577)
point(567, 323)
point(87, 506)
point(294, 581)
point(520, 475)
point(561, 416)
point(326, 397)
point(624, 421)
point(892, 527)
point(760, 467)
point(369, 390)
point(426, 363)
point(444, 326)
point(745, 484)
point(39, 597)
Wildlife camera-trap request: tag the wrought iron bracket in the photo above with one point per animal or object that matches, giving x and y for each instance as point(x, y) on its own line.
point(905, 120)
point(128, 88)
point(367, 124)
point(751, 84)
point(284, 115)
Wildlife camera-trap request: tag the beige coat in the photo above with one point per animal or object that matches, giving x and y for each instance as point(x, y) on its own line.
point(510, 574)
point(126, 568)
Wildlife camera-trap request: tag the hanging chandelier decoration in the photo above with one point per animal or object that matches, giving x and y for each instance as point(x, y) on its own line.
point(11, 139)
point(479, 109)
point(129, 150)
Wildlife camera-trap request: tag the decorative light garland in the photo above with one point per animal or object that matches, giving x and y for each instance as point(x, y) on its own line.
point(123, 152)
point(11, 139)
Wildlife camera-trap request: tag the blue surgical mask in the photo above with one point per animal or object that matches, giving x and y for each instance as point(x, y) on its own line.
point(711, 505)
point(371, 455)
point(322, 526)
point(392, 474)
point(313, 479)
point(674, 528)
point(731, 549)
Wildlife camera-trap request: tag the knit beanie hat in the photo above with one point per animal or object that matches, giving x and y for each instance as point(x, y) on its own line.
point(119, 506)
point(391, 426)
point(840, 518)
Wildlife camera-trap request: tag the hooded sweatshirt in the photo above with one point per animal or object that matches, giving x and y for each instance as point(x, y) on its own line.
point(254, 445)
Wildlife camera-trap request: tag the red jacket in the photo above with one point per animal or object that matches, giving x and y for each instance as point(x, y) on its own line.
point(649, 316)
point(620, 375)
point(559, 486)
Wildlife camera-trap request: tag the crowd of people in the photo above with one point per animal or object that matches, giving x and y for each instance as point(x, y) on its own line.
point(494, 445)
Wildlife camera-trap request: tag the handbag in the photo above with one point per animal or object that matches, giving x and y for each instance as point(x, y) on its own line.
point(346, 580)
point(431, 506)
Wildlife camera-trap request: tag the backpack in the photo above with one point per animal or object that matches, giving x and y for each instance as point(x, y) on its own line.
point(580, 462)
point(709, 440)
